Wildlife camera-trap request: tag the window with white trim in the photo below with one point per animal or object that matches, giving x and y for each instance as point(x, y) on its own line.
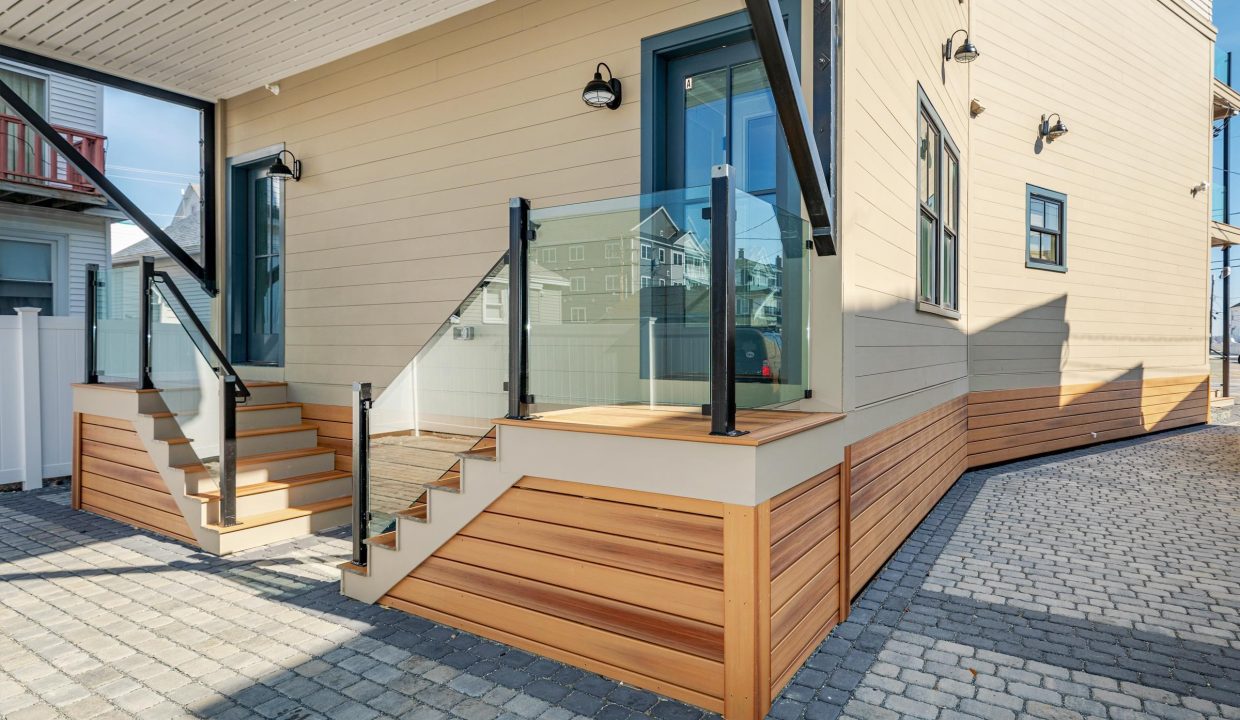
point(578, 283)
point(612, 282)
point(27, 272)
point(494, 304)
point(576, 253)
point(938, 213)
point(577, 314)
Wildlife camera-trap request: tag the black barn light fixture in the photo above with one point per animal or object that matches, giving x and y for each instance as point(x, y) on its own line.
point(280, 171)
point(600, 93)
point(966, 53)
point(1049, 131)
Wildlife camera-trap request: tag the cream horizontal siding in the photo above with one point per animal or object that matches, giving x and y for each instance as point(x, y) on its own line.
point(891, 349)
point(411, 151)
point(1134, 300)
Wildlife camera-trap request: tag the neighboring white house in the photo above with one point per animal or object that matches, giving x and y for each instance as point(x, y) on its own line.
point(52, 224)
point(186, 231)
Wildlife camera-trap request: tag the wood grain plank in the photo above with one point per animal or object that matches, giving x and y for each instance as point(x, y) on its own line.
point(114, 453)
point(128, 492)
point(611, 616)
point(803, 601)
point(788, 517)
point(107, 421)
point(795, 492)
point(674, 563)
point(740, 612)
point(329, 413)
point(632, 497)
point(661, 684)
point(669, 596)
point(151, 518)
point(75, 493)
point(681, 669)
point(118, 471)
point(113, 436)
point(786, 551)
point(699, 532)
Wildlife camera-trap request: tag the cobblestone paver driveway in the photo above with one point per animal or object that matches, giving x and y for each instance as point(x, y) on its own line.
point(1103, 583)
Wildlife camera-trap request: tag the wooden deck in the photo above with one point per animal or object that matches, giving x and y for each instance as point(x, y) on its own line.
point(682, 423)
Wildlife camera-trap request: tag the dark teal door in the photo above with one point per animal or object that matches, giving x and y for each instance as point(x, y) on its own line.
point(257, 262)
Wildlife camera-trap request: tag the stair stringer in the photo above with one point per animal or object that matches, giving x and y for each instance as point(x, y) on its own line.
point(482, 483)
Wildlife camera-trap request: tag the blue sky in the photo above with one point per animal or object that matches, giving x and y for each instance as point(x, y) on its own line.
point(152, 150)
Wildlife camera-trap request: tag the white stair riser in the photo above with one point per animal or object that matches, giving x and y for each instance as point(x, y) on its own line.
point(274, 470)
point(275, 417)
point(268, 395)
point(251, 505)
point(276, 442)
point(274, 532)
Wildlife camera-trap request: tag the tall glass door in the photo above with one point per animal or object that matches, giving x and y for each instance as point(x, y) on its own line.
point(257, 278)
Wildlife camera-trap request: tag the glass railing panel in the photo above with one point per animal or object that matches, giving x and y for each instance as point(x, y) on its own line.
point(187, 380)
point(117, 299)
point(772, 304)
point(619, 297)
point(441, 403)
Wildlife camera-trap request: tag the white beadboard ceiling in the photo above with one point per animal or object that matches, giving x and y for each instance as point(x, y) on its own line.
point(212, 48)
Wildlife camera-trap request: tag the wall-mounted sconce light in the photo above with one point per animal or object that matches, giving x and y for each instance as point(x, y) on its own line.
point(966, 53)
point(602, 93)
point(976, 107)
point(1049, 131)
point(280, 171)
point(273, 88)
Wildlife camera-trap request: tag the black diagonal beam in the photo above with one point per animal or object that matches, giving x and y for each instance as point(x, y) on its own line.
point(105, 186)
point(780, 64)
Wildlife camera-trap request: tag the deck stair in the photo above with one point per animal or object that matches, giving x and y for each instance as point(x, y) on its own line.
point(440, 511)
point(287, 484)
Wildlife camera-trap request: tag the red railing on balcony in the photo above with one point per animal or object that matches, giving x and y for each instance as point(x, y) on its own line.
point(26, 158)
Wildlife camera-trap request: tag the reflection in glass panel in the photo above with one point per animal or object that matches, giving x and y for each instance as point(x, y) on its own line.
point(706, 112)
point(928, 258)
point(928, 160)
point(952, 193)
point(1037, 213)
point(949, 270)
point(1052, 215)
point(754, 129)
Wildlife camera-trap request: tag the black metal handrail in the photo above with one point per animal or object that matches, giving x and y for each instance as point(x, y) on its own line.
point(362, 402)
point(225, 368)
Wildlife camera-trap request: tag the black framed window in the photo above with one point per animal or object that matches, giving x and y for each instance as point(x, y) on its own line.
point(938, 213)
point(1046, 215)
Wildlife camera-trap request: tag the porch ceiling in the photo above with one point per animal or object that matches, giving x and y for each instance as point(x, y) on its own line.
point(212, 48)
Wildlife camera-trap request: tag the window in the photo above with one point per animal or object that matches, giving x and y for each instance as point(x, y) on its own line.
point(576, 252)
point(662, 255)
point(577, 314)
point(1046, 248)
point(938, 213)
point(645, 281)
point(578, 283)
point(26, 276)
point(612, 251)
point(548, 255)
point(613, 282)
point(645, 251)
point(494, 304)
point(678, 258)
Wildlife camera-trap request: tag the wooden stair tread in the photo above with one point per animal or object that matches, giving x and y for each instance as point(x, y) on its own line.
point(351, 567)
point(387, 540)
point(281, 515)
point(273, 485)
point(264, 383)
point(478, 454)
point(451, 484)
point(416, 511)
point(275, 430)
point(164, 414)
point(261, 458)
point(272, 406)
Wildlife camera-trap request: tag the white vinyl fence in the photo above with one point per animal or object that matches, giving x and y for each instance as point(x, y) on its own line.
point(40, 358)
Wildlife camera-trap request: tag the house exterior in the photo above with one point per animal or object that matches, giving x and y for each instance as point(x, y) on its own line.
point(52, 222)
point(990, 223)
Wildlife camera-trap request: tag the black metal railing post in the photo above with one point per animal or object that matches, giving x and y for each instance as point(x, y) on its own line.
point(361, 471)
point(228, 450)
point(723, 302)
point(92, 323)
point(519, 236)
point(146, 280)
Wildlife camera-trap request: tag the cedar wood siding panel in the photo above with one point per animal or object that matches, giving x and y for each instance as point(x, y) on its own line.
point(116, 478)
point(412, 150)
point(891, 349)
point(1133, 302)
point(624, 588)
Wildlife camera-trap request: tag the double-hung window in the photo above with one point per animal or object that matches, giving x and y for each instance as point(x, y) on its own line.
point(26, 276)
point(938, 214)
point(1047, 239)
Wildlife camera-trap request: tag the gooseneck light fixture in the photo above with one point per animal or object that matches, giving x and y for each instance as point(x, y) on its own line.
point(280, 171)
point(1051, 132)
point(966, 53)
point(600, 93)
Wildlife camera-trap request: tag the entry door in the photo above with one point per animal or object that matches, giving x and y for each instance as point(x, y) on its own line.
point(258, 284)
point(720, 109)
